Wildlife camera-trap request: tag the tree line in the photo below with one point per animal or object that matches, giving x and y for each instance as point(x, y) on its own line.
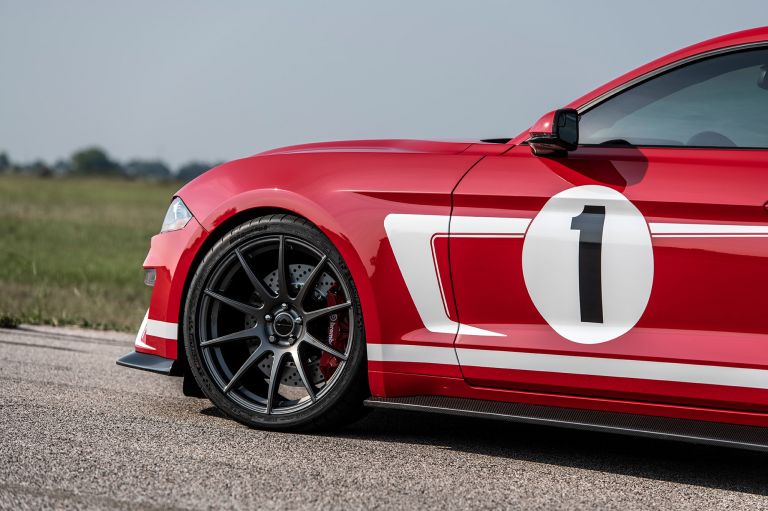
point(95, 162)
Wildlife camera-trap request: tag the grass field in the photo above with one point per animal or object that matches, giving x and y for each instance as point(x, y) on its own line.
point(71, 249)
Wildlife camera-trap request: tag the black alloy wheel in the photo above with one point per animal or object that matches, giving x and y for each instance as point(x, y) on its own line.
point(273, 327)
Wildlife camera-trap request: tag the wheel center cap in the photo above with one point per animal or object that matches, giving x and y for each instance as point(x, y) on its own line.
point(284, 324)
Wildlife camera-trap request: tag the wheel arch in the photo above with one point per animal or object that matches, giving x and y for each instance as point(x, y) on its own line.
point(336, 236)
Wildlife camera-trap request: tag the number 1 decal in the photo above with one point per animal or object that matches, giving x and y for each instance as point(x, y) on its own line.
point(589, 279)
point(590, 224)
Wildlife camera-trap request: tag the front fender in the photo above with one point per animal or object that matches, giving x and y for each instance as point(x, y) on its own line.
point(292, 202)
point(348, 196)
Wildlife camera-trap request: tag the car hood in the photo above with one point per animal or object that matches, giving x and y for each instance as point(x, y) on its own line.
point(391, 146)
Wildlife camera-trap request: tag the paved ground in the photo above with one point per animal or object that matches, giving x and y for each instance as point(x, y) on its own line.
point(77, 431)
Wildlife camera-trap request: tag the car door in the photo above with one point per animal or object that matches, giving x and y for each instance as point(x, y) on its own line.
point(635, 267)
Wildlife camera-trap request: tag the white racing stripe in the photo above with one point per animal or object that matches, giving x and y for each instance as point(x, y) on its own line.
point(567, 364)
point(618, 368)
point(162, 329)
point(412, 353)
point(491, 225)
point(155, 329)
point(411, 239)
point(670, 230)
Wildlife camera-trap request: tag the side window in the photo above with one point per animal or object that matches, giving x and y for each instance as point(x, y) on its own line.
point(717, 102)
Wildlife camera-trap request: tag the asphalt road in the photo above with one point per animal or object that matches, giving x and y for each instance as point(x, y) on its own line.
point(77, 431)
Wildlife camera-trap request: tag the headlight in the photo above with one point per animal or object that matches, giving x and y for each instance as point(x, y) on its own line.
point(177, 216)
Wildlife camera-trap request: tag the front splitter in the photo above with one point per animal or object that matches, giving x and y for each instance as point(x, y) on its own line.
point(147, 362)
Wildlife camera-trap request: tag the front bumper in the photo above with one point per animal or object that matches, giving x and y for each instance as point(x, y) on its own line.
point(154, 362)
point(170, 256)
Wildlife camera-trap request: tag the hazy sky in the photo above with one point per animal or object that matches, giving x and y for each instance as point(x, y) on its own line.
point(216, 80)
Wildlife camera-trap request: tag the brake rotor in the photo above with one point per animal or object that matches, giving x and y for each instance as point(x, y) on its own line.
point(297, 275)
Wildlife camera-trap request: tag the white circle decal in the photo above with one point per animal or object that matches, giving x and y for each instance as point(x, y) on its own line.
point(588, 264)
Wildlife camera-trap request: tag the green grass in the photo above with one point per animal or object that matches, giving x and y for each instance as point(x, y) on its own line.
point(71, 249)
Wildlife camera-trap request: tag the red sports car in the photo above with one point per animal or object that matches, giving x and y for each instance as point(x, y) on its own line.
point(607, 269)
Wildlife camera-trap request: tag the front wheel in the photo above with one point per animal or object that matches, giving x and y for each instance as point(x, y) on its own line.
point(273, 327)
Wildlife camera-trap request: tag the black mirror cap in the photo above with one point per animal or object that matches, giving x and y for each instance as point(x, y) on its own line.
point(563, 137)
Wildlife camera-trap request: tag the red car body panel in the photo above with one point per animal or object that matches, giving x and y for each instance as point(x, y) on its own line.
point(708, 302)
point(706, 310)
point(347, 193)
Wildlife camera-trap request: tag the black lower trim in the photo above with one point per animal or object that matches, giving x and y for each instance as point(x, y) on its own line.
point(702, 432)
point(147, 362)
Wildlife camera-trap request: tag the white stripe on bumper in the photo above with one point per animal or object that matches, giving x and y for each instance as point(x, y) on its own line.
point(155, 329)
point(162, 329)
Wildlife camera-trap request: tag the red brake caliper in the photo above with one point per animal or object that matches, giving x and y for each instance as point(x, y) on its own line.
point(338, 332)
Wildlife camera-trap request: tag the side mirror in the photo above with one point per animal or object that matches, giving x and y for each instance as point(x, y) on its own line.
point(555, 133)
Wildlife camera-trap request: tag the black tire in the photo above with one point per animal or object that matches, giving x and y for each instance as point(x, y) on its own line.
point(224, 323)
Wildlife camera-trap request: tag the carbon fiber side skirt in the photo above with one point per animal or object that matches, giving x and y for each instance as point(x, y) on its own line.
point(701, 432)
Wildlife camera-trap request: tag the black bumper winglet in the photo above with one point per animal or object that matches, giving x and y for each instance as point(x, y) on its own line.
point(151, 363)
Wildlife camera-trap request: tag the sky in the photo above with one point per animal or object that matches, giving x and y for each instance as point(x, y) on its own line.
point(183, 80)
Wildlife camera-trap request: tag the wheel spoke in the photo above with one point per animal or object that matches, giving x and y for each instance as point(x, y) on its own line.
point(310, 282)
point(256, 282)
point(282, 276)
point(242, 307)
point(309, 316)
point(249, 333)
point(302, 374)
point(311, 340)
point(255, 357)
point(247, 324)
point(277, 362)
